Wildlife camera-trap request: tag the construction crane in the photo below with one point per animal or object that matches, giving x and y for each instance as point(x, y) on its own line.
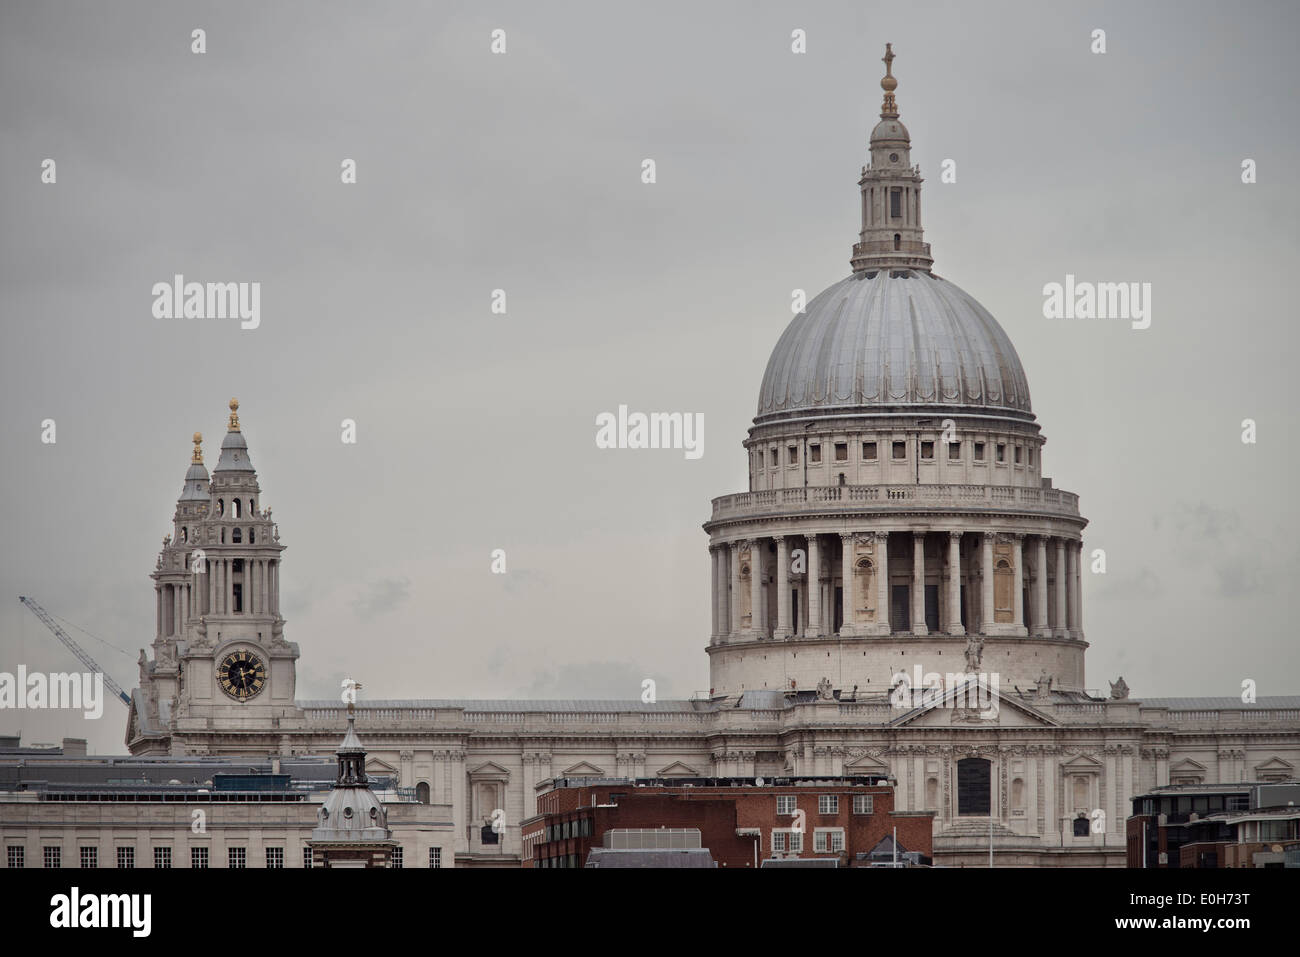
point(75, 648)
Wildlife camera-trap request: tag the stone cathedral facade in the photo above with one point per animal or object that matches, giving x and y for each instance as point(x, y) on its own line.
point(897, 595)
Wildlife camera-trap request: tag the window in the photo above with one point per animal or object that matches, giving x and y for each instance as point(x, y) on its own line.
point(828, 804)
point(126, 857)
point(1031, 457)
point(221, 507)
point(422, 792)
point(53, 856)
point(252, 536)
point(234, 507)
point(162, 857)
point(927, 450)
point(1018, 451)
point(1082, 827)
point(794, 841)
point(785, 804)
point(898, 244)
point(863, 803)
point(792, 455)
point(979, 451)
point(776, 458)
point(306, 857)
point(778, 841)
point(954, 450)
point(237, 593)
point(814, 453)
point(900, 450)
point(435, 857)
point(198, 857)
point(841, 451)
point(16, 856)
point(869, 450)
point(90, 857)
point(237, 565)
point(828, 840)
point(396, 859)
point(275, 858)
point(237, 857)
point(236, 536)
point(1002, 452)
point(973, 782)
point(895, 207)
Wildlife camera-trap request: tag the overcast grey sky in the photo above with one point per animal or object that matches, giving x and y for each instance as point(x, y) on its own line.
point(522, 172)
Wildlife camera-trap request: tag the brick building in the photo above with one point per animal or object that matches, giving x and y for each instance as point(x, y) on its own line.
point(741, 822)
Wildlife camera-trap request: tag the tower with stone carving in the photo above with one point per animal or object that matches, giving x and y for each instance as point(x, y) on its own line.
point(897, 512)
point(219, 654)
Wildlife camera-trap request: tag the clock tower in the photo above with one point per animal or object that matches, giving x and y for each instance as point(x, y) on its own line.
point(220, 660)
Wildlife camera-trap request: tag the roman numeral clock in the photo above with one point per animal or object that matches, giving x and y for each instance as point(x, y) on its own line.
point(242, 675)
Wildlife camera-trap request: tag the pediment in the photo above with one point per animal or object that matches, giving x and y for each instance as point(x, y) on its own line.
point(950, 708)
point(1275, 764)
point(378, 768)
point(489, 771)
point(1187, 766)
point(583, 769)
point(866, 764)
point(678, 770)
point(1081, 762)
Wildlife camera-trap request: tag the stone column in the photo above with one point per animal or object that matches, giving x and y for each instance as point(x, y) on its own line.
point(814, 587)
point(756, 588)
point(158, 610)
point(227, 574)
point(735, 589)
point(882, 582)
point(782, 587)
point(986, 586)
point(713, 604)
point(847, 602)
point(954, 584)
point(275, 588)
point(1041, 625)
point(1060, 624)
point(1018, 586)
point(1078, 591)
point(1073, 588)
point(919, 626)
point(176, 609)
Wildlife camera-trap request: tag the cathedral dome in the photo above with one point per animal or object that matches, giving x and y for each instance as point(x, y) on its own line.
point(880, 341)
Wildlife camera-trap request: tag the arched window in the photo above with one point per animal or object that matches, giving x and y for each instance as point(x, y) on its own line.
point(223, 536)
point(422, 792)
point(234, 507)
point(235, 535)
point(221, 506)
point(898, 241)
point(252, 536)
point(185, 534)
point(252, 510)
point(1018, 794)
point(1082, 826)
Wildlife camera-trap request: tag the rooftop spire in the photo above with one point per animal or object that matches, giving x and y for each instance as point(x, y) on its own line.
point(889, 109)
point(198, 449)
point(891, 237)
point(234, 416)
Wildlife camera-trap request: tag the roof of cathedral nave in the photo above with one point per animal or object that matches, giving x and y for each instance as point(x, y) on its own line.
point(887, 337)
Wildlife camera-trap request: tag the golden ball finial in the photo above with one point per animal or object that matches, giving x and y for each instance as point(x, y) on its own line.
point(889, 84)
point(234, 415)
point(198, 438)
point(234, 405)
point(198, 448)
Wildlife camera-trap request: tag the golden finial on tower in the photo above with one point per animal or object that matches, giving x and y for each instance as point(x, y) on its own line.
point(198, 449)
point(889, 84)
point(234, 415)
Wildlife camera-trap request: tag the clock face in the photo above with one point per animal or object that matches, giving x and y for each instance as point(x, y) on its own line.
point(242, 675)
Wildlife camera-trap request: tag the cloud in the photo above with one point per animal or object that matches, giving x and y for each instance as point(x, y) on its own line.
point(382, 597)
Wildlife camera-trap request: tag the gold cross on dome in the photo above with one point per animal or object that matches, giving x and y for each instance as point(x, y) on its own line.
point(888, 59)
